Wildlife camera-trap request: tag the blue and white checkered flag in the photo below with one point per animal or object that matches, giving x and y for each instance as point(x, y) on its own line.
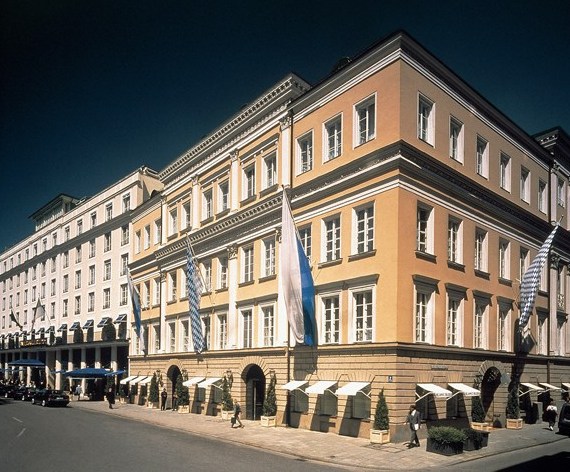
point(531, 278)
point(194, 286)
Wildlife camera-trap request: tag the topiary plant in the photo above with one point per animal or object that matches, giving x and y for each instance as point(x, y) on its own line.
point(227, 401)
point(513, 409)
point(153, 391)
point(381, 418)
point(477, 410)
point(270, 402)
point(182, 392)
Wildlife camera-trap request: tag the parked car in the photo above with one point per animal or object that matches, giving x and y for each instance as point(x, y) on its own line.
point(25, 393)
point(564, 419)
point(47, 396)
point(7, 391)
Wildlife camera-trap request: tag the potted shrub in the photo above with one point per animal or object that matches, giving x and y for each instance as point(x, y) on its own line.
point(132, 394)
point(142, 395)
point(153, 392)
point(108, 333)
point(445, 440)
point(183, 396)
point(227, 401)
point(473, 439)
point(514, 420)
point(380, 431)
point(478, 415)
point(270, 404)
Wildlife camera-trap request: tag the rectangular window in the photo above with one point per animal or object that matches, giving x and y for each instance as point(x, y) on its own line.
point(146, 236)
point(365, 120)
point(424, 229)
point(207, 205)
point(92, 248)
point(504, 260)
point(223, 196)
point(454, 315)
point(186, 222)
point(247, 267)
point(454, 241)
point(247, 320)
point(78, 279)
point(332, 239)
point(207, 275)
point(106, 298)
point(126, 203)
point(79, 229)
point(77, 304)
point(426, 120)
point(423, 313)
point(305, 236)
point(51, 291)
point(505, 172)
point(561, 193)
point(249, 182)
point(482, 157)
point(222, 273)
point(560, 341)
point(78, 254)
point(91, 280)
point(109, 212)
point(363, 315)
point(107, 270)
point(333, 139)
point(542, 197)
point(124, 295)
point(525, 185)
point(480, 324)
point(156, 295)
point(91, 302)
point(66, 234)
point(456, 140)
point(305, 153)
point(222, 331)
point(66, 259)
point(364, 230)
point(542, 335)
point(270, 171)
point(523, 261)
point(172, 221)
point(206, 331)
point(503, 328)
point(172, 287)
point(107, 242)
point(172, 337)
point(481, 250)
point(157, 232)
point(93, 219)
point(65, 308)
point(124, 264)
point(268, 325)
point(268, 257)
point(331, 320)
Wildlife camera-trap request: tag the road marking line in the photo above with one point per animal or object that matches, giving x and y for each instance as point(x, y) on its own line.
point(16, 419)
point(21, 432)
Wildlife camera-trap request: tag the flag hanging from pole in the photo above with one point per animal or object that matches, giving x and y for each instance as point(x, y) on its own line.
point(531, 278)
point(136, 302)
point(39, 312)
point(297, 286)
point(14, 320)
point(194, 289)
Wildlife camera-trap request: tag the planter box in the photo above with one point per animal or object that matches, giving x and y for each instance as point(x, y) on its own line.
point(268, 421)
point(444, 449)
point(379, 436)
point(152, 405)
point(514, 424)
point(485, 440)
point(481, 426)
point(471, 445)
point(227, 414)
point(183, 408)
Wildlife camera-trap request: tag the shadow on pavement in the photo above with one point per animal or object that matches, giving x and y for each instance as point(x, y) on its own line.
point(560, 461)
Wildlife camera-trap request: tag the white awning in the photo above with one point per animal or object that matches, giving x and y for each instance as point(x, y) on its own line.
point(320, 387)
point(466, 390)
point(145, 381)
point(294, 384)
point(566, 386)
point(352, 388)
point(436, 390)
point(192, 381)
point(532, 386)
point(128, 379)
point(137, 379)
point(208, 382)
point(547, 386)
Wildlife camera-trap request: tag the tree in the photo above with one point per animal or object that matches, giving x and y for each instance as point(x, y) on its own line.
point(477, 410)
point(270, 402)
point(381, 418)
point(227, 402)
point(78, 335)
point(153, 393)
point(182, 392)
point(109, 333)
point(513, 409)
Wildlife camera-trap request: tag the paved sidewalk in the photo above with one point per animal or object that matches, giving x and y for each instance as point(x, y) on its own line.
point(347, 452)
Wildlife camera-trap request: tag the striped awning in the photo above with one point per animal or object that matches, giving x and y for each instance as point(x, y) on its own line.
point(294, 385)
point(352, 388)
point(209, 382)
point(193, 381)
point(320, 387)
point(466, 390)
point(547, 386)
point(128, 379)
point(530, 386)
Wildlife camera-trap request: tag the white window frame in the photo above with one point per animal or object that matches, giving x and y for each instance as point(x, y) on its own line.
point(455, 240)
point(504, 259)
point(172, 286)
point(305, 153)
point(454, 318)
point(246, 327)
point(248, 257)
point(330, 332)
point(223, 196)
point(332, 238)
point(504, 311)
point(481, 250)
point(363, 229)
point(456, 142)
point(222, 331)
point(542, 196)
point(270, 170)
point(268, 324)
point(561, 193)
point(482, 157)
point(186, 217)
point(542, 334)
point(525, 184)
point(365, 117)
point(332, 138)
point(424, 228)
point(207, 204)
point(505, 172)
point(248, 179)
point(106, 298)
point(365, 332)
point(424, 312)
point(222, 272)
point(480, 322)
point(426, 119)
point(268, 260)
point(172, 221)
point(158, 231)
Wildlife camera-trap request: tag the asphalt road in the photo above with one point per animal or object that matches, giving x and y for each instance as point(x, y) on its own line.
point(33, 438)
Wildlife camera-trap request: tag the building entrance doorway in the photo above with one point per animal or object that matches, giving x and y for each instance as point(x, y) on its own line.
point(171, 377)
point(489, 385)
point(255, 392)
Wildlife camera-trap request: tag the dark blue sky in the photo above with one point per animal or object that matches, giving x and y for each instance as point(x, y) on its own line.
point(91, 90)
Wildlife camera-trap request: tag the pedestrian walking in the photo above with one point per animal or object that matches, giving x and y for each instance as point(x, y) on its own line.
point(78, 391)
point(551, 414)
point(111, 397)
point(174, 401)
point(163, 397)
point(236, 417)
point(413, 419)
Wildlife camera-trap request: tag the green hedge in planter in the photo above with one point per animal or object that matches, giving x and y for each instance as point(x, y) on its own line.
point(513, 409)
point(182, 392)
point(447, 437)
point(477, 410)
point(270, 403)
point(381, 418)
point(473, 439)
point(153, 393)
point(227, 401)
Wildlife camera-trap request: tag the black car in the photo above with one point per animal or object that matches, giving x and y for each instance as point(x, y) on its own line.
point(7, 391)
point(25, 393)
point(564, 419)
point(48, 396)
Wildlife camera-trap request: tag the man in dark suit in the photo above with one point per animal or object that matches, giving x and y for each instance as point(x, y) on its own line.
point(413, 419)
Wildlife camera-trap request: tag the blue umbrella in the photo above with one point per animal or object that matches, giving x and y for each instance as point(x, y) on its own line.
point(87, 373)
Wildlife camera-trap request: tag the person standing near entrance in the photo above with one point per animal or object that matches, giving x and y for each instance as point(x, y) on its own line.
point(78, 391)
point(111, 397)
point(163, 397)
point(413, 419)
point(236, 418)
point(174, 401)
